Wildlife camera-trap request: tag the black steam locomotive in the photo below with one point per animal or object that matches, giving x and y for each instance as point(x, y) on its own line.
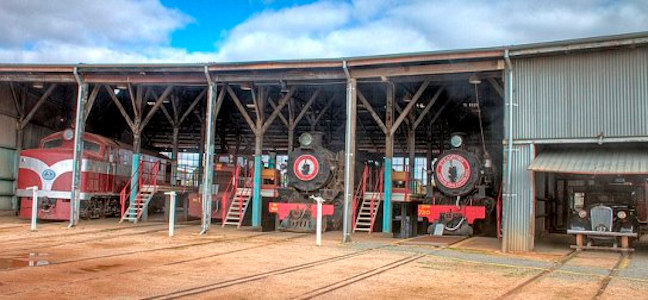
point(464, 189)
point(312, 170)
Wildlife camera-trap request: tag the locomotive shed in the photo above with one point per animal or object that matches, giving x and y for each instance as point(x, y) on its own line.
point(541, 126)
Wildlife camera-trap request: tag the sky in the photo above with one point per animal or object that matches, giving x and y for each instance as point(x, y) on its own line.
point(177, 31)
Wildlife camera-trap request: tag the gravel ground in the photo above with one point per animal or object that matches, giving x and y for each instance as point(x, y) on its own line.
point(103, 259)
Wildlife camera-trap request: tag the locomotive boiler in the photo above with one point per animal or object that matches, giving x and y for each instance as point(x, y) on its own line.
point(312, 170)
point(464, 183)
point(105, 170)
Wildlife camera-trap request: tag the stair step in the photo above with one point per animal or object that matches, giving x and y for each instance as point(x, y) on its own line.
point(363, 223)
point(231, 223)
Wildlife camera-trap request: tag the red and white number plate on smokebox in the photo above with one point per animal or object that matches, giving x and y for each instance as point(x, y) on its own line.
point(453, 171)
point(306, 167)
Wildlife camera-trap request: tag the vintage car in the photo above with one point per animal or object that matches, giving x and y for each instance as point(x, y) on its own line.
point(605, 214)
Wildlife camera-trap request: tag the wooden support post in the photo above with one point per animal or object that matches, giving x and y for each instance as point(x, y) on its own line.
point(174, 154)
point(625, 242)
point(77, 159)
point(411, 150)
point(579, 242)
point(213, 107)
point(291, 126)
point(389, 154)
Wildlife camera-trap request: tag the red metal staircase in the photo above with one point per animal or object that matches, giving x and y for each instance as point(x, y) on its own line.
point(240, 199)
point(366, 217)
point(147, 175)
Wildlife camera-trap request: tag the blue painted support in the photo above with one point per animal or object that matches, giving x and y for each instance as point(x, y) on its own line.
point(387, 207)
point(272, 160)
point(134, 171)
point(256, 192)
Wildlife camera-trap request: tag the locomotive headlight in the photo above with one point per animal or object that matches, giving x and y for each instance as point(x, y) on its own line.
point(582, 214)
point(306, 139)
point(456, 141)
point(68, 134)
point(622, 214)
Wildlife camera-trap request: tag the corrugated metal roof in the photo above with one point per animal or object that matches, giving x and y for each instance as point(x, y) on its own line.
point(592, 161)
point(571, 45)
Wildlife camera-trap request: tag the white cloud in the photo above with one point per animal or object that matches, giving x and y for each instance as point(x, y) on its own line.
point(368, 27)
point(90, 31)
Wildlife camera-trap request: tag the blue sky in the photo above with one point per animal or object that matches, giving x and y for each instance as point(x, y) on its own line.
point(153, 31)
point(212, 19)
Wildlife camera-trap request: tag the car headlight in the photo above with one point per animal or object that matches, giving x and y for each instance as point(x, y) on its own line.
point(582, 214)
point(622, 214)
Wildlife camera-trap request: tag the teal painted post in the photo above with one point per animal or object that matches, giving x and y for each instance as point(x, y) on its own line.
point(387, 208)
point(256, 192)
point(134, 171)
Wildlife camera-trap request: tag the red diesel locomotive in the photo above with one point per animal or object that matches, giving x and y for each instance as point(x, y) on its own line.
point(105, 171)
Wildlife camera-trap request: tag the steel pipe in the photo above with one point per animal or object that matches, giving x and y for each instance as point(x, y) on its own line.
point(349, 153)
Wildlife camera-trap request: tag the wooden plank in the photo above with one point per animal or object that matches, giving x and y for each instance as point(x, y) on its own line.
point(371, 111)
point(157, 104)
point(427, 108)
point(241, 109)
point(409, 107)
point(121, 109)
point(274, 114)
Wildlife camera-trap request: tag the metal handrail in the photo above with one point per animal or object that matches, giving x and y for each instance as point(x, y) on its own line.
point(360, 191)
point(125, 192)
point(230, 190)
point(247, 183)
point(152, 175)
point(373, 198)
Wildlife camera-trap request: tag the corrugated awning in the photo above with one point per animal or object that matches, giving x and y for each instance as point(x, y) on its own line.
point(592, 161)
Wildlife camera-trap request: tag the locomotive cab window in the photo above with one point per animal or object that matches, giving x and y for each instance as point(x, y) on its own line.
point(56, 143)
point(91, 146)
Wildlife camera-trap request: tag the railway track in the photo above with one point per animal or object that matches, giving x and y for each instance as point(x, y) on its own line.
point(111, 229)
point(142, 251)
point(358, 277)
point(103, 276)
point(255, 277)
point(33, 247)
point(556, 267)
point(320, 291)
point(517, 289)
point(613, 272)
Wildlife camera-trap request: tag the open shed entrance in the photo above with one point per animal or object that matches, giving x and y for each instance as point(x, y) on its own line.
point(575, 184)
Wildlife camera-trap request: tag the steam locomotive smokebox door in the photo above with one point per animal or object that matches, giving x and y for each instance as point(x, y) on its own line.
point(309, 169)
point(456, 172)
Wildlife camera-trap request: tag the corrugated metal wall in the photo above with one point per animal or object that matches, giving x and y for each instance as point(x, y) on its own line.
point(32, 135)
point(577, 95)
point(582, 95)
point(518, 221)
point(7, 156)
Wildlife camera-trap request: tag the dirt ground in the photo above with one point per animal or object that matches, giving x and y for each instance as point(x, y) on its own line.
point(104, 259)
